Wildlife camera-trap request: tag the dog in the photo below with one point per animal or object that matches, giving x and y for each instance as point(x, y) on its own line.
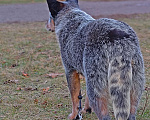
point(107, 53)
point(50, 24)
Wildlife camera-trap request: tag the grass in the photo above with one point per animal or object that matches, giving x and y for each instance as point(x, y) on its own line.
point(28, 53)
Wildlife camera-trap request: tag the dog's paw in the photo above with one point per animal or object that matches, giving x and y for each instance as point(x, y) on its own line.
point(106, 117)
point(72, 116)
point(132, 117)
point(88, 110)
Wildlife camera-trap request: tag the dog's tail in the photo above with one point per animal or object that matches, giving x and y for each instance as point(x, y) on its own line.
point(120, 79)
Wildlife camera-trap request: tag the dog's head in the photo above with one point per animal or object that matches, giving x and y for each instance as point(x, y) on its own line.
point(55, 6)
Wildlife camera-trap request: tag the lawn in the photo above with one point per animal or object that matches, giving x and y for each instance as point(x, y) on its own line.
point(29, 55)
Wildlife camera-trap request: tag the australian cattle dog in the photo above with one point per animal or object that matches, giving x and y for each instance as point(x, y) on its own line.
point(107, 53)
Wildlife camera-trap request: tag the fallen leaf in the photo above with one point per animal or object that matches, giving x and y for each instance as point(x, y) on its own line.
point(25, 74)
point(54, 75)
point(11, 81)
point(45, 82)
point(30, 89)
point(148, 51)
point(44, 103)
point(17, 106)
point(55, 112)
point(65, 96)
point(45, 90)
point(60, 105)
point(44, 53)
point(39, 46)
point(147, 88)
point(14, 65)
point(36, 101)
point(19, 88)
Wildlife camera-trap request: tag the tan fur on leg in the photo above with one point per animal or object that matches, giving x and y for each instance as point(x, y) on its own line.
point(87, 106)
point(74, 90)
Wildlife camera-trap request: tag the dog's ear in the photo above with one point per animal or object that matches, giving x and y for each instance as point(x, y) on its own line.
point(55, 7)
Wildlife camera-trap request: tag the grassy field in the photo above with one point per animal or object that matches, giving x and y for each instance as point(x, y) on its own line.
point(29, 54)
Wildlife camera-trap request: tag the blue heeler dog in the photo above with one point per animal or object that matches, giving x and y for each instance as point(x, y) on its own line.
point(107, 53)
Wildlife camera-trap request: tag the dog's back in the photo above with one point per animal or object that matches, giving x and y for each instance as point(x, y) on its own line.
point(113, 64)
point(107, 53)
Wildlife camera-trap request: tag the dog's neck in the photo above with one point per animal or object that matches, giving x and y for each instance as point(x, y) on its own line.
point(70, 21)
point(63, 12)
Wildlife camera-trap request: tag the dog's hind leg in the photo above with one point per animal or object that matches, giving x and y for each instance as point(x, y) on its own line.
point(87, 107)
point(99, 103)
point(97, 91)
point(95, 69)
point(74, 87)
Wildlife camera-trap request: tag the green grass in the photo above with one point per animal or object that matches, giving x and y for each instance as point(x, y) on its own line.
point(29, 48)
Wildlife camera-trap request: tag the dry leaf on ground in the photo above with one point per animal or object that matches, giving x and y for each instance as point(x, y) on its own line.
point(44, 103)
point(30, 89)
point(11, 81)
point(60, 105)
point(14, 65)
point(25, 74)
point(147, 88)
point(18, 88)
point(54, 75)
point(45, 90)
point(35, 101)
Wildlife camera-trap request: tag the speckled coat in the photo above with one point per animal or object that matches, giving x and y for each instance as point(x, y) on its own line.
point(107, 53)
